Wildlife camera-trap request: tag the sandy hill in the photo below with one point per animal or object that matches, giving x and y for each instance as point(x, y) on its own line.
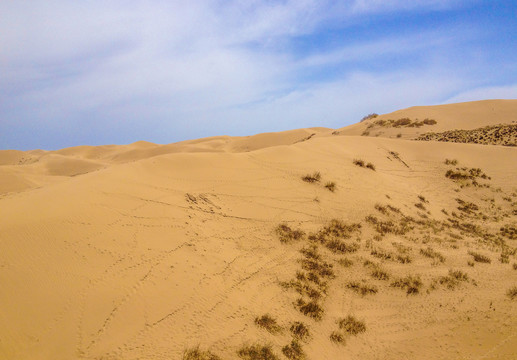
point(304, 244)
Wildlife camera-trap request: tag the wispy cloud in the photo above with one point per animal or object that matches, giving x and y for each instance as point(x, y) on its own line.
point(165, 71)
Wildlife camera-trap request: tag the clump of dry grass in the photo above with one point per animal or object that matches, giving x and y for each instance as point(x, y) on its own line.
point(376, 271)
point(300, 331)
point(480, 257)
point(333, 233)
point(370, 166)
point(362, 288)
point(197, 354)
point(331, 186)
point(453, 279)
point(433, 254)
point(467, 207)
point(515, 266)
point(509, 231)
point(369, 116)
point(338, 246)
point(312, 178)
point(386, 227)
point(287, 234)
point(337, 337)
point(420, 206)
point(311, 309)
point(257, 352)
point(452, 162)
point(410, 283)
point(351, 325)
point(293, 351)
point(361, 163)
point(269, 323)
point(512, 293)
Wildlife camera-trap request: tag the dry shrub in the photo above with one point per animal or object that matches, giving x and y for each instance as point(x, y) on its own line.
point(386, 227)
point(431, 253)
point(338, 246)
point(197, 354)
point(331, 186)
point(359, 162)
point(269, 323)
point(257, 352)
point(370, 166)
point(420, 206)
point(351, 325)
point(293, 351)
point(287, 234)
point(452, 162)
point(410, 283)
point(480, 257)
point(429, 121)
point(300, 331)
point(453, 279)
point(312, 178)
point(369, 116)
point(512, 293)
point(311, 309)
point(362, 288)
point(337, 337)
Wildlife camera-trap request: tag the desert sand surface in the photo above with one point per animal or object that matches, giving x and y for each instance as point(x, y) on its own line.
point(311, 243)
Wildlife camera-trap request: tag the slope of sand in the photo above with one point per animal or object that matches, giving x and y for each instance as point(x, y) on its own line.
point(147, 257)
point(465, 116)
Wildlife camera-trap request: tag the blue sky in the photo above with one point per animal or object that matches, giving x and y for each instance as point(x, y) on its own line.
point(113, 72)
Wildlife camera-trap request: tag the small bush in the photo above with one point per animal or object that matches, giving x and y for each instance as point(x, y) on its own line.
point(338, 246)
point(512, 293)
point(196, 354)
point(362, 288)
point(269, 323)
point(370, 166)
point(337, 337)
point(257, 352)
point(402, 122)
point(351, 325)
point(293, 351)
point(369, 116)
point(410, 283)
point(311, 309)
point(515, 266)
point(453, 279)
point(312, 178)
point(430, 253)
point(480, 257)
point(429, 121)
point(331, 186)
point(300, 331)
point(359, 163)
point(420, 206)
point(287, 235)
point(452, 162)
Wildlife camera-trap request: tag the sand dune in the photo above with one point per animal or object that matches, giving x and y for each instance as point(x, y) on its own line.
point(143, 251)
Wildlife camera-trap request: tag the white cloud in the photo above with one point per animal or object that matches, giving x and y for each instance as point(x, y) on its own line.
point(484, 93)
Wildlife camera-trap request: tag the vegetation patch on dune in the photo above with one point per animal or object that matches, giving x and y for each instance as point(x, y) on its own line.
point(257, 352)
point(287, 234)
point(197, 354)
point(269, 323)
point(489, 135)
